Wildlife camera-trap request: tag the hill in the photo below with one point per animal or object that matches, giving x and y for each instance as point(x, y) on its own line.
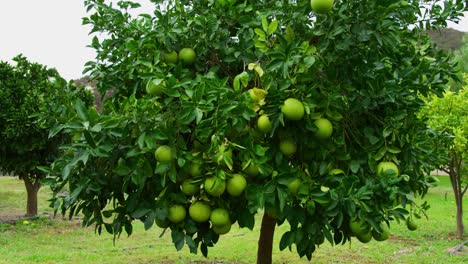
point(447, 39)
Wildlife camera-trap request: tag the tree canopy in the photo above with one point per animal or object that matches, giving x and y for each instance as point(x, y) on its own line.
point(28, 93)
point(315, 110)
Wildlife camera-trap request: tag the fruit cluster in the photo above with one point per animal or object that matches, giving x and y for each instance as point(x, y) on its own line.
point(186, 56)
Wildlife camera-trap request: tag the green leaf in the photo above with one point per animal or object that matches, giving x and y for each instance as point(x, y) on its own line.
point(66, 171)
point(393, 150)
point(149, 221)
point(140, 212)
point(272, 27)
point(354, 165)
point(289, 33)
point(282, 198)
point(264, 24)
point(309, 61)
point(178, 238)
point(191, 244)
point(260, 33)
point(287, 240)
point(199, 115)
point(380, 154)
point(89, 139)
point(55, 130)
point(241, 79)
point(162, 167)
point(246, 219)
point(81, 110)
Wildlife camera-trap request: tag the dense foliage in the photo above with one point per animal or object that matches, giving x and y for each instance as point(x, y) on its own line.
point(447, 116)
point(30, 96)
point(359, 69)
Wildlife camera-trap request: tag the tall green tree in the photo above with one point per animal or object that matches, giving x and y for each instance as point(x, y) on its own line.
point(28, 90)
point(448, 116)
point(226, 108)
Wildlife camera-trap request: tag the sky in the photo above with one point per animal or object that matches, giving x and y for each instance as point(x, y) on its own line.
point(50, 32)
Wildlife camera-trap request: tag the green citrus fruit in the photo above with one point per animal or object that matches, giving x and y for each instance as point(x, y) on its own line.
point(170, 57)
point(292, 109)
point(383, 235)
point(195, 169)
point(411, 225)
point(155, 86)
point(365, 237)
point(220, 217)
point(358, 227)
point(177, 213)
point(294, 185)
point(214, 186)
point(163, 153)
point(288, 147)
point(321, 6)
point(324, 128)
point(264, 124)
point(189, 188)
point(236, 185)
point(187, 56)
point(387, 168)
point(200, 211)
point(221, 230)
point(251, 170)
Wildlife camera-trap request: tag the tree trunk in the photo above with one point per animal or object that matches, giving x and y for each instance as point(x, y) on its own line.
point(32, 188)
point(460, 226)
point(455, 179)
point(265, 242)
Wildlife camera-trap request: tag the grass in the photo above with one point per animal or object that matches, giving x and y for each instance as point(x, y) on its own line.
point(54, 241)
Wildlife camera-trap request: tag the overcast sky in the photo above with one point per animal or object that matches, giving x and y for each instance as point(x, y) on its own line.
point(50, 32)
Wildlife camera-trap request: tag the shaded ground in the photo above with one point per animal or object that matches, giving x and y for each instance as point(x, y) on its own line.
point(15, 217)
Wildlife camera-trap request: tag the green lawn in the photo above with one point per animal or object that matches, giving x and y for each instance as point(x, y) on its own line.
point(54, 241)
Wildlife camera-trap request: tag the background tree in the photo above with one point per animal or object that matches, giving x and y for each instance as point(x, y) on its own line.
point(448, 116)
point(224, 109)
point(26, 90)
point(461, 58)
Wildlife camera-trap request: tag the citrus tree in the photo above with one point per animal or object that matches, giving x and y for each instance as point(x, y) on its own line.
point(302, 111)
point(27, 90)
point(448, 116)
